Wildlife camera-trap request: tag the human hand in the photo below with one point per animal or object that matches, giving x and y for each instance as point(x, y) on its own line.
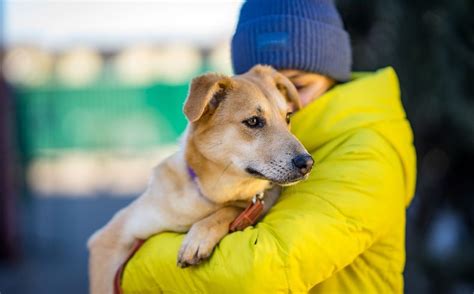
point(309, 85)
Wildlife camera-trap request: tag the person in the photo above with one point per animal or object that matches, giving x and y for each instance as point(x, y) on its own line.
point(343, 229)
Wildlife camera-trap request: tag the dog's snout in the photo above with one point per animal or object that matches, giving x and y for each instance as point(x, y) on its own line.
point(303, 162)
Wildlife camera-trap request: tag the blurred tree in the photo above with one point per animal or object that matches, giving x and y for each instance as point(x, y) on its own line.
point(431, 46)
point(8, 195)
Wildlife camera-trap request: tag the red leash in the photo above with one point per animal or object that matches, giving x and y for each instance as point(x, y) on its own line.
point(118, 274)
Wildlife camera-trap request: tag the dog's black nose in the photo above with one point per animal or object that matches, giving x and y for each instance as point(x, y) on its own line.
point(303, 162)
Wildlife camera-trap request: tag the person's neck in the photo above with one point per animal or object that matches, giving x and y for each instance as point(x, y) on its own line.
point(217, 180)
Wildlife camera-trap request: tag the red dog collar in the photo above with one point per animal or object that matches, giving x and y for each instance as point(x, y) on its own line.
point(249, 216)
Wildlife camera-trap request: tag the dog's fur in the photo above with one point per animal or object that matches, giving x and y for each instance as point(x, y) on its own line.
point(232, 160)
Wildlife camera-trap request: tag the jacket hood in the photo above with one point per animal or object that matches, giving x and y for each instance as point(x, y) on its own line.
point(369, 100)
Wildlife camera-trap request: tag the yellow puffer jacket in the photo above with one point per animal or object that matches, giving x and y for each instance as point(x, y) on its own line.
point(340, 231)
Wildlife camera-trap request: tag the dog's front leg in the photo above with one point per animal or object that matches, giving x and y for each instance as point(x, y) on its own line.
point(204, 236)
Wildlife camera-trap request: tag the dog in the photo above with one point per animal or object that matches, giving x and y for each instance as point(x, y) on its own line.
point(237, 143)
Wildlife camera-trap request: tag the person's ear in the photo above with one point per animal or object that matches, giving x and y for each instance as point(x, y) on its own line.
point(205, 94)
point(311, 86)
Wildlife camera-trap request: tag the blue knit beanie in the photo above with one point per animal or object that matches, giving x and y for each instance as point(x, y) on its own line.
point(292, 34)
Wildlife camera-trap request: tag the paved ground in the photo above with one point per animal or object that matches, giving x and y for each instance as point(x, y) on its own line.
point(54, 255)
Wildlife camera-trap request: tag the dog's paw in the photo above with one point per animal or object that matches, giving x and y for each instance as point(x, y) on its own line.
point(197, 245)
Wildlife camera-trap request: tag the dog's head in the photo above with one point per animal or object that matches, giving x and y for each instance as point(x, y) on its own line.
point(243, 123)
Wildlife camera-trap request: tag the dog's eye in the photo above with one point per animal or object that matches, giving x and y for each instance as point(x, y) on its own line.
point(288, 117)
point(254, 122)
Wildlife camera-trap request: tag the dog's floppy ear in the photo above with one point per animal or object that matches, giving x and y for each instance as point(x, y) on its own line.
point(284, 85)
point(205, 92)
point(288, 90)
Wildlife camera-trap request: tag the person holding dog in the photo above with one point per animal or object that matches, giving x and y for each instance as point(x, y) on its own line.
point(343, 229)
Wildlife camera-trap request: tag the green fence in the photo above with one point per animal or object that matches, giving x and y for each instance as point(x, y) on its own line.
point(99, 117)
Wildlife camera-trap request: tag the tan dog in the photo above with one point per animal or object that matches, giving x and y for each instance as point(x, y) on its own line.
point(237, 143)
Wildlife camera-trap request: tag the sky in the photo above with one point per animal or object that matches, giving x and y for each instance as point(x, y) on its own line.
point(106, 24)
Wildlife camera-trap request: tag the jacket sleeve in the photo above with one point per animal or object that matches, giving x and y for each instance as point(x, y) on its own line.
point(353, 196)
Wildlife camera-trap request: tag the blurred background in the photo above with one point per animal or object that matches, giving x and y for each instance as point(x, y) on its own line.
point(91, 95)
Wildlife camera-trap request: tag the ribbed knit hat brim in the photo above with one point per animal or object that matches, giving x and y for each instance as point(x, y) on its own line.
point(289, 42)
